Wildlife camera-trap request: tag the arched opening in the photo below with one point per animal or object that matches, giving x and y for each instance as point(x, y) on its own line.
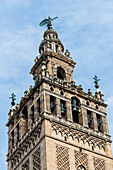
point(99, 122)
point(81, 168)
point(25, 112)
point(63, 109)
point(53, 104)
point(75, 104)
point(89, 114)
point(61, 73)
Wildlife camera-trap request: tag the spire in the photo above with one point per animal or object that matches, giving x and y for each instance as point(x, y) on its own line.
point(51, 42)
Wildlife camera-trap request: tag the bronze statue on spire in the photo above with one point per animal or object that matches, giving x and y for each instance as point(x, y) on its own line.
point(47, 22)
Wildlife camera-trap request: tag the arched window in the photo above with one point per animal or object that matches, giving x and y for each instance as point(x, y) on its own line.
point(53, 104)
point(81, 168)
point(61, 73)
point(75, 104)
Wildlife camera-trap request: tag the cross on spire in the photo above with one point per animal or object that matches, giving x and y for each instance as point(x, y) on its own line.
point(13, 97)
point(96, 81)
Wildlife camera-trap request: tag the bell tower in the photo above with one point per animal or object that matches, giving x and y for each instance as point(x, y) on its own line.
point(57, 125)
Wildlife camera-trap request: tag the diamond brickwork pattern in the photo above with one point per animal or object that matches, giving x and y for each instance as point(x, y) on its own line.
point(25, 166)
point(62, 155)
point(81, 159)
point(99, 164)
point(36, 160)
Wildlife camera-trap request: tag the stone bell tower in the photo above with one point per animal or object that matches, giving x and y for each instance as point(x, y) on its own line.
point(56, 125)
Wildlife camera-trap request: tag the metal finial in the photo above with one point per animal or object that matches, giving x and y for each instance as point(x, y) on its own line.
point(47, 22)
point(13, 97)
point(96, 81)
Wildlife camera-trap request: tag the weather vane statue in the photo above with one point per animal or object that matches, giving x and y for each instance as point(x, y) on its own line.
point(13, 97)
point(47, 22)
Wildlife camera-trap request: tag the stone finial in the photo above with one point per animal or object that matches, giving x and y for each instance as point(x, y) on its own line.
point(89, 92)
point(72, 82)
point(67, 53)
point(101, 96)
point(17, 106)
point(26, 93)
point(30, 88)
point(36, 59)
point(80, 87)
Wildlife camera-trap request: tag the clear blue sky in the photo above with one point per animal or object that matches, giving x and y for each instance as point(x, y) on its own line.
point(85, 28)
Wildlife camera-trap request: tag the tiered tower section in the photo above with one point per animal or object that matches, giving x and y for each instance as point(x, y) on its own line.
point(57, 125)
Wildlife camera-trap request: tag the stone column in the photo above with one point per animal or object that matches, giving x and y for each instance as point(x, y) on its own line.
point(23, 127)
point(103, 128)
point(36, 109)
point(41, 104)
point(85, 117)
point(71, 77)
point(9, 143)
point(29, 113)
point(106, 125)
point(58, 107)
point(54, 70)
point(80, 118)
point(94, 123)
point(68, 76)
point(47, 96)
point(68, 110)
point(30, 117)
point(15, 134)
point(12, 139)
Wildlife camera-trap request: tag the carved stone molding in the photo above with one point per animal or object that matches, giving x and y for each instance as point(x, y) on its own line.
point(74, 134)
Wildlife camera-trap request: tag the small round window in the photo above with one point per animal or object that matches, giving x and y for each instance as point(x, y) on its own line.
point(61, 73)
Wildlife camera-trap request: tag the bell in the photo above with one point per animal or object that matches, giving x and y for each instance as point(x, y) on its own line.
point(74, 108)
point(62, 108)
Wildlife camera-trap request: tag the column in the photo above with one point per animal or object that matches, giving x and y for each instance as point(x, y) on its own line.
point(30, 117)
point(41, 104)
point(36, 109)
point(106, 124)
point(47, 96)
point(68, 110)
point(58, 107)
point(85, 117)
point(94, 123)
point(9, 142)
point(15, 134)
point(29, 113)
point(22, 126)
point(12, 139)
point(103, 125)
